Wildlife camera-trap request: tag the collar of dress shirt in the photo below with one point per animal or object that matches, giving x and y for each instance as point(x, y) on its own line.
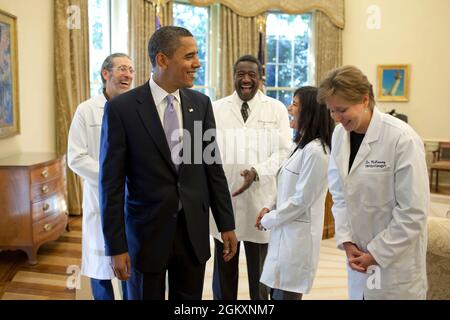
point(159, 94)
point(251, 103)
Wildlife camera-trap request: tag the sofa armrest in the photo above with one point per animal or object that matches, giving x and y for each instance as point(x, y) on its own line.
point(439, 236)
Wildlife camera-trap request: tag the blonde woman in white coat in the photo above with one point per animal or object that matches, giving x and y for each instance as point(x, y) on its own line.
point(296, 221)
point(379, 182)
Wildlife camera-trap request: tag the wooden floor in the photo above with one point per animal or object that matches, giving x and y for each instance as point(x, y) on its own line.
point(48, 279)
point(442, 190)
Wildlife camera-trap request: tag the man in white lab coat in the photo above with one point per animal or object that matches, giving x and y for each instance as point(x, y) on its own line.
point(83, 152)
point(254, 137)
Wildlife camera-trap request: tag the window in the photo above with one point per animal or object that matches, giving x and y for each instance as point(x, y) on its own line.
point(196, 20)
point(107, 35)
point(288, 54)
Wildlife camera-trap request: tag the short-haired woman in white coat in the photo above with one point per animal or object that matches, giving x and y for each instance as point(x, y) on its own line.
point(379, 182)
point(295, 217)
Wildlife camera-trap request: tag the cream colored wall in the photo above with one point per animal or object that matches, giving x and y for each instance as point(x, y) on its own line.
point(36, 74)
point(414, 32)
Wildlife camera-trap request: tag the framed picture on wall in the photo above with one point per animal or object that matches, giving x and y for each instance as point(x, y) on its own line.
point(9, 82)
point(393, 82)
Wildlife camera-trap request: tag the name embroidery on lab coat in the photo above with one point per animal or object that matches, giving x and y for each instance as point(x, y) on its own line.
point(380, 164)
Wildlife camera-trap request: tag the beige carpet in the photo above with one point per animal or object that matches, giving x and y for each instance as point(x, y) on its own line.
point(330, 281)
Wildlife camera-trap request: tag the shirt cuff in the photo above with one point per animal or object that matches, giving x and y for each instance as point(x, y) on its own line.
point(269, 220)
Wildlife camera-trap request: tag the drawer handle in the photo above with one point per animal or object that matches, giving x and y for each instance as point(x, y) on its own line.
point(44, 173)
point(47, 227)
point(44, 189)
point(46, 207)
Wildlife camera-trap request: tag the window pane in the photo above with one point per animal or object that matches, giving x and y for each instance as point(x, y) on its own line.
point(202, 46)
point(119, 33)
point(301, 52)
point(271, 49)
point(285, 50)
point(288, 50)
point(270, 75)
point(99, 46)
point(195, 19)
point(300, 76)
point(200, 76)
point(285, 97)
point(272, 93)
point(284, 76)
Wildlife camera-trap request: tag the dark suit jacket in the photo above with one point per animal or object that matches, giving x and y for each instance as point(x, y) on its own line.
point(140, 188)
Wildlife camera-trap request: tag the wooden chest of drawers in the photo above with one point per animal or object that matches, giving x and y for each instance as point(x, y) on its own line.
point(33, 201)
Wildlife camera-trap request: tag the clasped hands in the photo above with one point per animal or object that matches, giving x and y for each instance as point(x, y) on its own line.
point(358, 260)
point(261, 214)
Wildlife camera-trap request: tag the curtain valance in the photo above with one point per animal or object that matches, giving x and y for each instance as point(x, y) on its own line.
point(334, 9)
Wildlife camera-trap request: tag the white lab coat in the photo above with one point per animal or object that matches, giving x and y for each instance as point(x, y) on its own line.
point(296, 222)
point(82, 154)
point(381, 206)
point(263, 143)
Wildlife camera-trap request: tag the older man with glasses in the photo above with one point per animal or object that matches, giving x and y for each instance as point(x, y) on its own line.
point(83, 150)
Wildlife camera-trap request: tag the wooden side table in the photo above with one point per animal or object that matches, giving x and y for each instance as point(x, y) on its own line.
point(33, 201)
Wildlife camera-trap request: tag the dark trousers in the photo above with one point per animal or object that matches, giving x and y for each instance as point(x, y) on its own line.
point(278, 294)
point(186, 273)
point(134, 285)
point(103, 289)
point(226, 274)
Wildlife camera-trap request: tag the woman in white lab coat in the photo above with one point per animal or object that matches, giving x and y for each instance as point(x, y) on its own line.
point(379, 183)
point(295, 217)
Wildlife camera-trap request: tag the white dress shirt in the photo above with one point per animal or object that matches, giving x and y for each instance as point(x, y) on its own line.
point(159, 97)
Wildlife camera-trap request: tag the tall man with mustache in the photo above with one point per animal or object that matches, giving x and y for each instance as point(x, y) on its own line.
point(256, 137)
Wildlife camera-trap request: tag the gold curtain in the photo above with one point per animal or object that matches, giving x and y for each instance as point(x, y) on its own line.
point(334, 9)
point(238, 36)
point(71, 52)
point(142, 24)
point(328, 45)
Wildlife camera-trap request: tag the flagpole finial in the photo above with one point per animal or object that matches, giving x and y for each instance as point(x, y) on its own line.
point(158, 4)
point(261, 22)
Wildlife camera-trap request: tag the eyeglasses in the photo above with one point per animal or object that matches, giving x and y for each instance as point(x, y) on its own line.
point(124, 69)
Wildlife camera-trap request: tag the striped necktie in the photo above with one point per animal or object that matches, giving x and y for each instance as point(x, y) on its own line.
point(244, 111)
